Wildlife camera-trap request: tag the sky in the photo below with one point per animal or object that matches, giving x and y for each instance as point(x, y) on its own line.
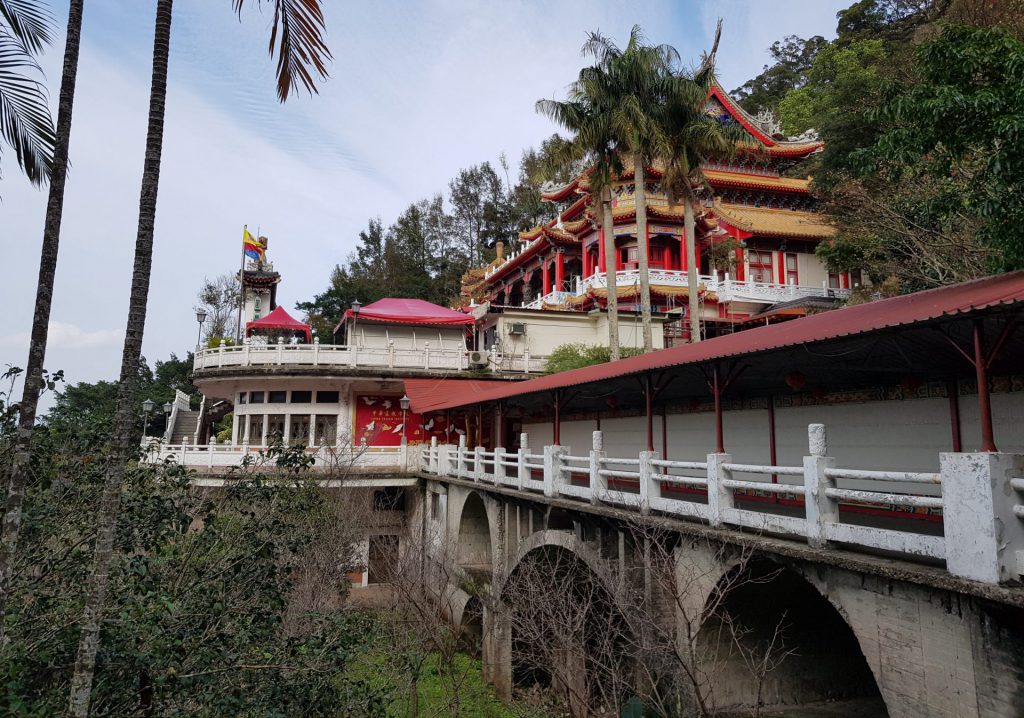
point(417, 90)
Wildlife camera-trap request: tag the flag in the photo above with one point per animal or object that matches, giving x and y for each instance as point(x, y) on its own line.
point(254, 248)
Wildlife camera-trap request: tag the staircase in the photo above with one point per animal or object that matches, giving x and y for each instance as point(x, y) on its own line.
point(184, 429)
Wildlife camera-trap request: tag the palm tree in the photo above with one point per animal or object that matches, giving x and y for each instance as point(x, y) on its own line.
point(589, 119)
point(633, 83)
point(297, 37)
point(688, 137)
point(31, 24)
point(25, 28)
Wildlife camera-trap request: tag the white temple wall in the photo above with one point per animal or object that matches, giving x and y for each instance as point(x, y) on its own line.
point(378, 336)
point(546, 330)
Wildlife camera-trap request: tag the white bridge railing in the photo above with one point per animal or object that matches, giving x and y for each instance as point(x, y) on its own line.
point(983, 524)
point(424, 358)
point(341, 458)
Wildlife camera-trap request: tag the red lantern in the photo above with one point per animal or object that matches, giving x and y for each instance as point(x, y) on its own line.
point(795, 380)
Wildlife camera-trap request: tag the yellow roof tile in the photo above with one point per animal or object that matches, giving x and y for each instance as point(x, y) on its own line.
point(775, 222)
point(749, 180)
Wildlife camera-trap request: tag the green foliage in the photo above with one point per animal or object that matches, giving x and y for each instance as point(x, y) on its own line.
point(577, 355)
point(793, 57)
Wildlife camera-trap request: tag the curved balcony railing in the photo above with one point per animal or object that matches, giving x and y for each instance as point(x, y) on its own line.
point(425, 358)
point(727, 289)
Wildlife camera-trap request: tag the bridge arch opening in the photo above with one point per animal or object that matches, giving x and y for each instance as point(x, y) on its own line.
point(771, 639)
point(474, 553)
point(471, 629)
point(567, 632)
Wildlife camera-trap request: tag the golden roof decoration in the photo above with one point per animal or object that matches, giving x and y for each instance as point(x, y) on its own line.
point(742, 179)
point(774, 222)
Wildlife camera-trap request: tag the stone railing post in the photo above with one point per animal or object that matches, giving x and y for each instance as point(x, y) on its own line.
point(526, 360)
point(524, 451)
point(499, 465)
point(391, 353)
point(444, 461)
point(650, 488)
point(820, 509)
point(461, 469)
point(316, 351)
point(984, 534)
point(432, 456)
point(720, 497)
point(598, 483)
point(245, 351)
point(553, 467)
point(478, 464)
point(426, 355)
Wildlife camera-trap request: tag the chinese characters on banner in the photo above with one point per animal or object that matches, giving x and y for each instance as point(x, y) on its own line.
point(378, 422)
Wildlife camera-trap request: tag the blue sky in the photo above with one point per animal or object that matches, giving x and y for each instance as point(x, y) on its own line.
point(417, 91)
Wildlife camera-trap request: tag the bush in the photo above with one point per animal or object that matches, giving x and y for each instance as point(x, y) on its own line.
point(578, 355)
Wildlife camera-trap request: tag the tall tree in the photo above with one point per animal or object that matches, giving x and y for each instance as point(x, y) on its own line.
point(219, 298)
point(31, 25)
point(25, 125)
point(298, 27)
point(688, 137)
point(632, 85)
point(793, 57)
point(585, 115)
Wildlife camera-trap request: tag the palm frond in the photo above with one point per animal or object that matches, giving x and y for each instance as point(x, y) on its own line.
point(29, 21)
point(25, 122)
point(297, 37)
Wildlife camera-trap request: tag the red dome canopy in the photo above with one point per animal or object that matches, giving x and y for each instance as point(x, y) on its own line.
point(407, 311)
point(278, 319)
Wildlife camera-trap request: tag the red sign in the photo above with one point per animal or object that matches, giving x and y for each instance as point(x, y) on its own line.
point(378, 422)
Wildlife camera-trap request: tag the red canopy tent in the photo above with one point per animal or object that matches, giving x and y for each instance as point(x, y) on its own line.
point(279, 320)
point(407, 311)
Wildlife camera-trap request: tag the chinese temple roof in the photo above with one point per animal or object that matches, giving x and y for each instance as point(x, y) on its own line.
point(741, 179)
point(408, 311)
point(774, 222)
point(277, 319)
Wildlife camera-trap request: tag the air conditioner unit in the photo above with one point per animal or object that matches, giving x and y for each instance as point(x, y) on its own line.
point(517, 328)
point(478, 358)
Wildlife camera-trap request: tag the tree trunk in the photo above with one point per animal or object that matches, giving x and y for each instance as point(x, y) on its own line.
point(611, 266)
point(693, 261)
point(640, 193)
point(126, 408)
point(20, 465)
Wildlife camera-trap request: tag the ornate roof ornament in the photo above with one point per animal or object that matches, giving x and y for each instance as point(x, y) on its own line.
point(766, 120)
point(810, 135)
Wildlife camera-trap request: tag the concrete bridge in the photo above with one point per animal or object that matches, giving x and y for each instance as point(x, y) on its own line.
point(580, 571)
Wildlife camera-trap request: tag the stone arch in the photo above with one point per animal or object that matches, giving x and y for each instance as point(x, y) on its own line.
point(471, 626)
point(474, 547)
point(556, 539)
point(759, 604)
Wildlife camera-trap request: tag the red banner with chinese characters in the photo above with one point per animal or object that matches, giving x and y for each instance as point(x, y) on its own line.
point(378, 422)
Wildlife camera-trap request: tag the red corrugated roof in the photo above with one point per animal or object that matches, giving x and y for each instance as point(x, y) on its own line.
point(408, 311)
point(278, 319)
point(426, 394)
point(862, 318)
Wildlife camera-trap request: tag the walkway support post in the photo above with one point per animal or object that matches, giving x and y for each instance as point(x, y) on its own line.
point(820, 509)
point(499, 465)
point(598, 483)
point(988, 442)
point(462, 470)
point(479, 470)
point(432, 463)
point(720, 497)
point(716, 388)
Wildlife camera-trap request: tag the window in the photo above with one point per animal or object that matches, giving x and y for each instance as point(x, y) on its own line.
point(327, 397)
point(792, 275)
point(255, 397)
point(833, 280)
point(760, 266)
point(302, 397)
point(241, 397)
point(391, 498)
point(277, 397)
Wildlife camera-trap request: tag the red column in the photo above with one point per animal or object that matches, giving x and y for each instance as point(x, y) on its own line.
point(602, 263)
point(683, 259)
point(988, 442)
point(716, 388)
point(545, 273)
point(740, 268)
point(586, 259)
point(559, 271)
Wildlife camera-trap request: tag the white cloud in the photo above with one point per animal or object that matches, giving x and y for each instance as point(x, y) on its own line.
point(63, 335)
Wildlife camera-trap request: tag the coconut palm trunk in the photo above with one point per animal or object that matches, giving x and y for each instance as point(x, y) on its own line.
point(611, 266)
point(642, 253)
point(692, 263)
point(125, 412)
point(33, 387)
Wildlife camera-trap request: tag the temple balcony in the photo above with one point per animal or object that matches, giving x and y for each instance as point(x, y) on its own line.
point(425, 358)
point(726, 289)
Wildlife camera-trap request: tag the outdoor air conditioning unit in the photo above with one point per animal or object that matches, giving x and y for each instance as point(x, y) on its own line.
point(478, 358)
point(517, 328)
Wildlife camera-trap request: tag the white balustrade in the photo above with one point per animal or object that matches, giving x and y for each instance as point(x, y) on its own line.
point(981, 497)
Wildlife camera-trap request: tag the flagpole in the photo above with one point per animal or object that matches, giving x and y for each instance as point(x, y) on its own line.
point(241, 286)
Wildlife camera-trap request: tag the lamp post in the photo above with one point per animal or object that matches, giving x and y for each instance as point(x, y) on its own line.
point(147, 409)
point(404, 402)
point(201, 318)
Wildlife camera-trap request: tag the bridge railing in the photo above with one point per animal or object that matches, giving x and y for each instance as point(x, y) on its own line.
point(976, 497)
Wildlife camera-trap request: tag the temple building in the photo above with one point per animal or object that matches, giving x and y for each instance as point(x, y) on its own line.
point(756, 237)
